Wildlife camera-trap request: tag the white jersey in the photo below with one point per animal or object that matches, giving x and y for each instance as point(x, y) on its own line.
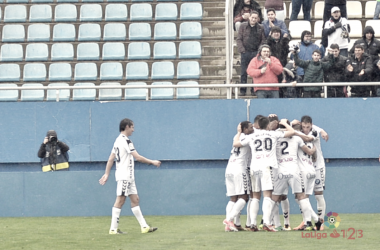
point(287, 150)
point(305, 161)
point(263, 148)
point(320, 163)
point(239, 159)
point(125, 164)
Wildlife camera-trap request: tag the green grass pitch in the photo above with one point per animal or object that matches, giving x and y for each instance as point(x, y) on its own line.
point(177, 232)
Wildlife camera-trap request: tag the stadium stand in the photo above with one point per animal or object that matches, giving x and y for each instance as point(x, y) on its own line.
point(109, 94)
point(11, 53)
point(15, 13)
point(39, 33)
point(64, 32)
point(32, 95)
point(13, 33)
point(88, 51)
point(162, 93)
point(34, 72)
point(85, 72)
point(190, 30)
point(84, 94)
point(62, 52)
point(164, 50)
point(64, 94)
point(60, 72)
point(8, 95)
point(89, 32)
point(37, 52)
point(111, 71)
point(354, 9)
point(297, 27)
point(40, 13)
point(191, 11)
point(375, 25)
point(165, 31)
point(140, 31)
point(135, 94)
point(116, 12)
point(91, 12)
point(141, 12)
point(113, 51)
point(162, 70)
point(187, 93)
point(114, 32)
point(190, 50)
point(65, 13)
point(166, 12)
point(137, 71)
point(10, 72)
point(138, 50)
point(188, 70)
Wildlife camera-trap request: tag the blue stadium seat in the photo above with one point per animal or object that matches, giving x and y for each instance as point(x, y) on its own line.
point(39, 33)
point(88, 51)
point(191, 11)
point(13, 33)
point(60, 72)
point(15, 1)
point(138, 50)
point(42, 1)
point(36, 52)
point(190, 30)
point(109, 94)
point(15, 13)
point(65, 13)
point(9, 72)
point(140, 31)
point(67, 1)
point(89, 32)
point(64, 32)
point(113, 51)
point(32, 95)
point(188, 93)
point(34, 72)
point(62, 52)
point(164, 50)
point(85, 71)
point(166, 12)
point(64, 94)
point(11, 53)
point(165, 31)
point(142, 0)
point(190, 49)
point(141, 12)
point(161, 93)
point(116, 12)
point(40, 13)
point(91, 13)
point(137, 71)
point(114, 32)
point(114, 1)
point(162, 70)
point(91, 1)
point(84, 94)
point(188, 70)
point(8, 95)
point(111, 71)
point(192, 0)
point(136, 94)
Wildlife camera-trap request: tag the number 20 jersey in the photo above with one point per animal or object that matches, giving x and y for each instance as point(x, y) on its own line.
point(125, 164)
point(263, 148)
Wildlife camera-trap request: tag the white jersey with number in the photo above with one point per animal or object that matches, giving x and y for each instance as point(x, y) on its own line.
point(263, 148)
point(287, 151)
point(305, 161)
point(320, 163)
point(239, 159)
point(125, 164)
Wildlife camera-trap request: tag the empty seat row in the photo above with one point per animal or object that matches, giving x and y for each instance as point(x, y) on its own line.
point(87, 1)
point(92, 32)
point(108, 71)
point(90, 51)
point(104, 94)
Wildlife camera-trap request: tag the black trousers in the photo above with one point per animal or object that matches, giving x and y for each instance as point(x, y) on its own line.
point(245, 60)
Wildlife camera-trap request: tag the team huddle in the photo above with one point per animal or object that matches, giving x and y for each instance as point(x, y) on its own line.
point(267, 158)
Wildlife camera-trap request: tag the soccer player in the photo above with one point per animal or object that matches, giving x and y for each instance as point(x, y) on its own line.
point(124, 152)
point(237, 179)
point(264, 162)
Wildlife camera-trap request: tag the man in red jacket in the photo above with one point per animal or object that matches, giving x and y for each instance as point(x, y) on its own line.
point(265, 68)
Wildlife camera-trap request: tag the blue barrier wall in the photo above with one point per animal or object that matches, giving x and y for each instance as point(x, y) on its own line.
point(194, 140)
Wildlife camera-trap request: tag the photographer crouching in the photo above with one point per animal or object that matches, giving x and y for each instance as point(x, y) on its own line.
point(53, 153)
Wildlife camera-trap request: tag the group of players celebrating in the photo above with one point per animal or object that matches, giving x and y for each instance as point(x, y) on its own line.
point(269, 156)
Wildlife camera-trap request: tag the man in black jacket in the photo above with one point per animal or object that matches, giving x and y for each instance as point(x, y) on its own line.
point(370, 44)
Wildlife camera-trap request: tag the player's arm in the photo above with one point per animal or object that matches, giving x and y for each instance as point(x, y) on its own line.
point(307, 150)
point(237, 143)
point(323, 133)
point(142, 159)
point(109, 165)
point(289, 130)
point(305, 138)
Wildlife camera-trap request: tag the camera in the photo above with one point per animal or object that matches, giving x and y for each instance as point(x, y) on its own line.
point(52, 139)
point(296, 47)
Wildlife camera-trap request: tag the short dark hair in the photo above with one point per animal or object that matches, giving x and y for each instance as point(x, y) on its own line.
point(263, 122)
point(275, 29)
point(125, 122)
point(282, 126)
point(244, 125)
point(317, 51)
point(297, 127)
point(306, 33)
point(334, 46)
point(271, 9)
point(257, 118)
point(306, 119)
point(254, 12)
point(273, 118)
point(359, 46)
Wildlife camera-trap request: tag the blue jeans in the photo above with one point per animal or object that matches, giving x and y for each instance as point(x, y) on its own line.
point(377, 11)
point(268, 94)
point(306, 8)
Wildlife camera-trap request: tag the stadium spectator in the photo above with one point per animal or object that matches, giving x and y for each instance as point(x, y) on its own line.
point(314, 71)
point(278, 6)
point(290, 76)
point(242, 10)
point(329, 4)
point(265, 68)
point(377, 10)
point(370, 44)
point(53, 153)
point(306, 8)
point(249, 39)
point(336, 73)
point(336, 31)
point(359, 69)
point(376, 70)
point(273, 21)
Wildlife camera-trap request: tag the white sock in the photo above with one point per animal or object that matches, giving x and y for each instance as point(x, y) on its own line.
point(248, 222)
point(303, 216)
point(229, 207)
point(321, 205)
point(254, 210)
point(140, 218)
point(285, 209)
point(305, 209)
point(276, 215)
point(239, 205)
point(115, 218)
point(314, 216)
point(237, 219)
point(268, 204)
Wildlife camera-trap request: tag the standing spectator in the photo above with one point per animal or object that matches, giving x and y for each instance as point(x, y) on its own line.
point(377, 10)
point(265, 68)
point(336, 73)
point(290, 76)
point(329, 4)
point(273, 21)
point(370, 44)
point(336, 31)
point(376, 74)
point(242, 11)
point(249, 39)
point(306, 8)
point(277, 5)
point(359, 69)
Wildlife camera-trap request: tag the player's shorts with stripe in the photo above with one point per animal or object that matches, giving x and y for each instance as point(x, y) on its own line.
point(283, 180)
point(237, 184)
point(320, 175)
point(308, 179)
point(262, 180)
point(125, 188)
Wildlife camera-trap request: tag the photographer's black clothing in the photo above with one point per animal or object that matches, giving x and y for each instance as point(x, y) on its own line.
point(54, 156)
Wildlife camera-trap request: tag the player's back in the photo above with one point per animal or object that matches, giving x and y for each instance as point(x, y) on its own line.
point(240, 157)
point(287, 151)
point(305, 161)
point(122, 149)
point(320, 163)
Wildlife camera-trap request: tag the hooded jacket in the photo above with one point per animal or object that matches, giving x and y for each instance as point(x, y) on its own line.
point(279, 49)
point(365, 63)
point(336, 73)
point(372, 49)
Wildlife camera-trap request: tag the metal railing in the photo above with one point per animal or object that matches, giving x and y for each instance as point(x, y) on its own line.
point(229, 40)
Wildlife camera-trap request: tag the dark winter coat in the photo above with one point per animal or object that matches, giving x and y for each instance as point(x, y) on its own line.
point(372, 49)
point(336, 73)
point(244, 35)
point(365, 63)
point(239, 11)
point(336, 2)
point(279, 49)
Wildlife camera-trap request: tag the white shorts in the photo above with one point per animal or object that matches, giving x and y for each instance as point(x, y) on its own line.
point(320, 175)
point(262, 180)
point(284, 180)
point(237, 184)
point(308, 179)
point(126, 188)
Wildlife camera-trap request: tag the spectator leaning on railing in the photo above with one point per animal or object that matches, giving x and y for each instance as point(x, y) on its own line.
point(242, 11)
